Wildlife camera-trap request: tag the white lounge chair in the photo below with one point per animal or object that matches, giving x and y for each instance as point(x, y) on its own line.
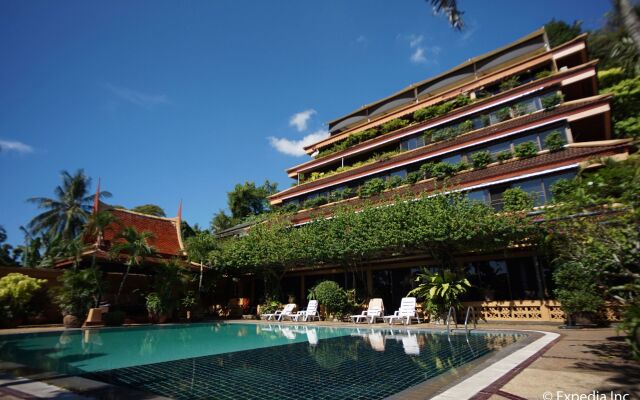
point(406, 313)
point(374, 311)
point(310, 313)
point(278, 315)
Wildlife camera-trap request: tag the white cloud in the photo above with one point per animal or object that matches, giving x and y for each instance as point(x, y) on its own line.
point(420, 53)
point(138, 98)
point(300, 120)
point(13, 145)
point(296, 147)
point(418, 56)
point(414, 40)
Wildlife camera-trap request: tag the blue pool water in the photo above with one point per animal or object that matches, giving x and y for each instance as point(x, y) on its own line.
point(239, 361)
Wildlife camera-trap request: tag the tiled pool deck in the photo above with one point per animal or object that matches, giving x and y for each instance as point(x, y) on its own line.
point(571, 361)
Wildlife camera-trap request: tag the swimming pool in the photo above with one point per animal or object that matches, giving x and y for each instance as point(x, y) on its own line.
point(239, 361)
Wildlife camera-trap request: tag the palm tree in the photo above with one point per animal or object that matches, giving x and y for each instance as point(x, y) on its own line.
point(630, 20)
point(136, 248)
point(67, 213)
point(99, 223)
point(450, 9)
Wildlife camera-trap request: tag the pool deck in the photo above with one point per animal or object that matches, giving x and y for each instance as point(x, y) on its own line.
point(564, 362)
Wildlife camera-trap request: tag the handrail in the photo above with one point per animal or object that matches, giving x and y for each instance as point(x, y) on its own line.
point(472, 310)
point(452, 313)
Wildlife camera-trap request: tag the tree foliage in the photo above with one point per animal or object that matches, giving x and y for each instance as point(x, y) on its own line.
point(68, 211)
point(150, 209)
point(560, 32)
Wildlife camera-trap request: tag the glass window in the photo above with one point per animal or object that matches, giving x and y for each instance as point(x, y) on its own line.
point(534, 188)
point(478, 195)
point(497, 148)
point(529, 138)
point(401, 173)
point(453, 159)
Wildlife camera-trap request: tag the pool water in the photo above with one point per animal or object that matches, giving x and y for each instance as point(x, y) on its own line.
point(243, 361)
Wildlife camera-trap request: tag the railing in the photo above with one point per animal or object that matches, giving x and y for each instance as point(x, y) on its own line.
point(470, 310)
point(451, 314)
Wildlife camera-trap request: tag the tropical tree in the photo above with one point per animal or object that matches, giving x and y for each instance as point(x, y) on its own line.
point(450, 9)
point(68, 211)
point(135, 247)
point(150, 209)
point(7, 252)
point(250, 199)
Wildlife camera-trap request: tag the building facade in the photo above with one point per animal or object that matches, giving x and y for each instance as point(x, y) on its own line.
point(535, 109)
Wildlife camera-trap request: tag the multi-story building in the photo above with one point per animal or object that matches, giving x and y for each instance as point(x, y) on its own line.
point(535, 109)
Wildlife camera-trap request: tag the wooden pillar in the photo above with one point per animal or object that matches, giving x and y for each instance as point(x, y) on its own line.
point(369, 282)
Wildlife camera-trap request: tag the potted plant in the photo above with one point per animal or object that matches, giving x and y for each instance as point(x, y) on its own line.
point(441, 291)
point(333, 297)
point(156, 309)
point(78, 292)
point(188, 302)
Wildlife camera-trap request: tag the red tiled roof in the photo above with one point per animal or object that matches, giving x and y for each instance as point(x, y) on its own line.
point(166, 239)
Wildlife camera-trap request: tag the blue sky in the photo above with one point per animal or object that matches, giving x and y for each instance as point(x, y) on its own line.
point(182, 100)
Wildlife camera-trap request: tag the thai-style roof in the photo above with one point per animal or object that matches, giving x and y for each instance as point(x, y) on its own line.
point(166, 240)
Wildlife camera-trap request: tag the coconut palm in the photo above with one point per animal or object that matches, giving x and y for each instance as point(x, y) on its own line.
point(68, 211)
point(99, 223)
point(134, 245)
point(450, 9)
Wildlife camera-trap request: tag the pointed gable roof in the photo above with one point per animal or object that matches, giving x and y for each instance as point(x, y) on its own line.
point(167, 237)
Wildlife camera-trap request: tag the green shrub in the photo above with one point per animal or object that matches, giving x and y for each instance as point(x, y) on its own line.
point(393, 125)
point(516, 199)
point(330, 295)
point(465, 126)
point(503, 114)
point(393, 182)
point(424, 114)
point(504, 156)
point(461, 101)
point(17, 292)
point(550, 102)
point(625, 105)
point(413, 177)
point(526, 150)
point(371, 187)
point(315, 202)
point(509, 83)
point(563, 188)
point(154, 304)
point(79, 291)
point(485, 120)
point(610, 77)
point(426, 170)
point(576, 289)
point(628, 127)
point(543, 74)
point(438, 135)
point(443, 169)
point(518, 110)
point(554, 141)
point(461, 166)
point(481, 159)
point(340, 194)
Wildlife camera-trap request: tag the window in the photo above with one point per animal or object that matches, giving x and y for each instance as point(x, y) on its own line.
point(534, 188)
point(550, 180)
point(529, 138)
point(454, 159)
point(478, 195)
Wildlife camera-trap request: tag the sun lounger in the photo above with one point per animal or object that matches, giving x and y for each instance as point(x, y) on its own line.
point(406, 313)
point(374, 311)
point(278, 315)
point(305, 315)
